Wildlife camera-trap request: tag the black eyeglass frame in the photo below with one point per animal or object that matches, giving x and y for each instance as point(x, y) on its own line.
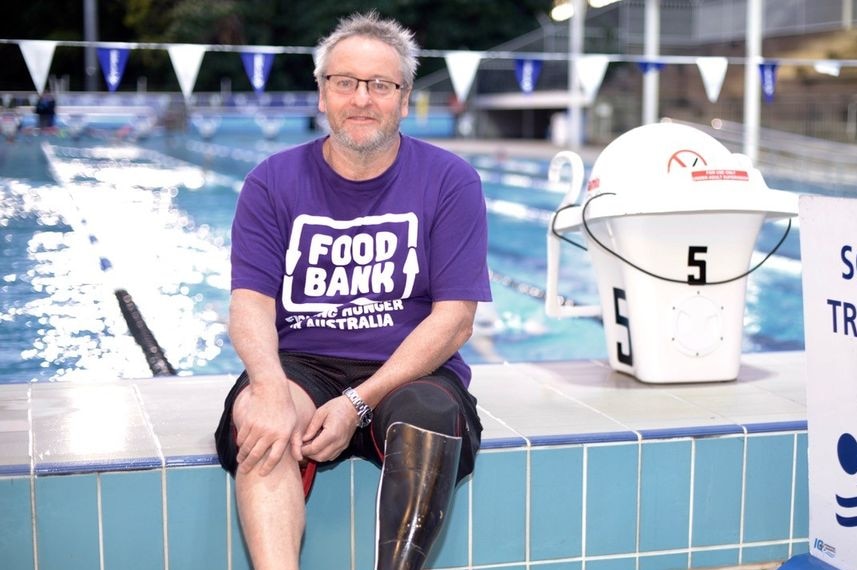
point(397, 86)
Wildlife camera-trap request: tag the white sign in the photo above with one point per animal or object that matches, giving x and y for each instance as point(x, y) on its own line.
point(828, 243)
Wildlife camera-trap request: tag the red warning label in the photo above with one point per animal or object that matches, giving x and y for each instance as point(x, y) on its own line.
point(720, 174)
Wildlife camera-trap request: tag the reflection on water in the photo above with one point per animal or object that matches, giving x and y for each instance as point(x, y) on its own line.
point(112, 223)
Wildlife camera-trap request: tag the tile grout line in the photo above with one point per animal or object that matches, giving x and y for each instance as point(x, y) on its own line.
point(164, 507)
point(794, 488)
point(100, 506)
point(229, 515)
point(690, 513)
point(584, 504)
point(743, 494)
point(639, 507)
point(31, 443)
point(352, 517)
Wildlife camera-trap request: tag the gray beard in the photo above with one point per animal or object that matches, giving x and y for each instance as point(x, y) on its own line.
point(381, 141)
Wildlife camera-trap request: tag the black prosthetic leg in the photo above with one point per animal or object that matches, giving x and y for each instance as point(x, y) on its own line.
point(417, 483)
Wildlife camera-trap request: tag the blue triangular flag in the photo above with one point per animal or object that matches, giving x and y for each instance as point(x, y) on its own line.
point(257, 65)
point(769, 80)
point(113, 62)
point(647, 66)
point(527, 72)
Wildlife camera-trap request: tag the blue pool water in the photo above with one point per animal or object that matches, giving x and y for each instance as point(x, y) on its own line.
point(80, 219)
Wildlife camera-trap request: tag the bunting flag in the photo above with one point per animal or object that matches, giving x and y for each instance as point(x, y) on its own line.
point(186, 60)
point(113, 62)
point(769, 80)
point(527, 73)
point(257, 66)
point(713, 71)
point(647, 66)
point(590, 70)
point(827, 67)
point(38, 55)
point(462, 67)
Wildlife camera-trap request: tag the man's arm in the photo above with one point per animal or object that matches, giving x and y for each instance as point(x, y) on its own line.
point(424, 350)
point(265, 414)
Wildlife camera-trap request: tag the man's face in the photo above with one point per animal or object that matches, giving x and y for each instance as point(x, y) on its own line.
point(359, 120)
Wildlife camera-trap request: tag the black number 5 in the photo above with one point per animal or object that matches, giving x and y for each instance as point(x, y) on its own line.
point(693, 261)
point(622, 321)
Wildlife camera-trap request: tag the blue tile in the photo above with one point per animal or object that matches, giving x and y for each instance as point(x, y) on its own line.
point(196, 518)
point(717, 491)
point(767, 505)
point(664, 562)
point(800, 526)
point(768, 553)
point(16, 524)
point(240, 554)
point(67, 522)
point(559, 566)
point(132, 520)
point(451, 549)
point(327, 541)
point(556, 504)
point(611, 500)
point(714, 558)
point(499, 507)
point(800, 547)
point(366, 478)
point(665, 495)
point(612, 564)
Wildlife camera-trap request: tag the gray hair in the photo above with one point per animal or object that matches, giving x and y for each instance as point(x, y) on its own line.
point(372, 26)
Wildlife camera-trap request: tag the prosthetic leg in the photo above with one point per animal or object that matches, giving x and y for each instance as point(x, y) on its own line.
point(417, 483)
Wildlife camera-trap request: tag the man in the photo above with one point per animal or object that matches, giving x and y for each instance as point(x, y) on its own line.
point(358, 261)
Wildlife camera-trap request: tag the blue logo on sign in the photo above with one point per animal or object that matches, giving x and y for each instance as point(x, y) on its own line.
point(826, 549)
point(846, 450)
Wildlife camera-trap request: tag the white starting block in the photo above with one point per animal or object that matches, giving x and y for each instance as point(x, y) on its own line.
point(670, 218)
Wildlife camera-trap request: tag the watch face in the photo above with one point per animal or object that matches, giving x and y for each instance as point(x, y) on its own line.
point(366, 419)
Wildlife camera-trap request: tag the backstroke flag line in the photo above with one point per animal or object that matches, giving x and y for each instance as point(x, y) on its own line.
point(462, 67)
point(713, 71)
point(186, 60)
point(38, 55)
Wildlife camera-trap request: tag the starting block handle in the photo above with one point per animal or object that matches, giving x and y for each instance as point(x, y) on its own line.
point(553, 308)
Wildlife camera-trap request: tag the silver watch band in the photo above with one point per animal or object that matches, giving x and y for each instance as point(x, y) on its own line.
point(364, 412)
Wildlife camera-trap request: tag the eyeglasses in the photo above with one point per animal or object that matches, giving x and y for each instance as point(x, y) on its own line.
point(346, 85)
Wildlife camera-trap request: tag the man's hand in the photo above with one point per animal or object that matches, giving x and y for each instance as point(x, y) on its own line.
point(330, 430)
point(267, 421)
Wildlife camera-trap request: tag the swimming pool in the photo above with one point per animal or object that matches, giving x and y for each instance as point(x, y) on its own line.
point(82, 219)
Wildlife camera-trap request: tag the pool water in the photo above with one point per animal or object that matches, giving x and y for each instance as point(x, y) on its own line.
point(81, 219)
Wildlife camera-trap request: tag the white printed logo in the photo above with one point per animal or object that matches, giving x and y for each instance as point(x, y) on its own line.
point(350, 265)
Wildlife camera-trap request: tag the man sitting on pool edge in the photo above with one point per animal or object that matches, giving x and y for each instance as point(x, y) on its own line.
point(358, 260)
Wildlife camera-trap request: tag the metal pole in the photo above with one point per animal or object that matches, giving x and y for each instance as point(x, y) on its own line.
point(90, 34)
point(652, 50)
point(575, 90)
point(752, 81)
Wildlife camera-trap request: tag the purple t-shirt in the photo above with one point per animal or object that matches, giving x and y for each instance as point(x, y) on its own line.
point(355, 266)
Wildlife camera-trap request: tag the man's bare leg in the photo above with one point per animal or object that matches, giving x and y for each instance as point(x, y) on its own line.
point(272, 508)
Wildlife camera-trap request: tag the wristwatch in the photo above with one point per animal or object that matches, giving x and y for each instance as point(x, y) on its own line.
point(364, 412)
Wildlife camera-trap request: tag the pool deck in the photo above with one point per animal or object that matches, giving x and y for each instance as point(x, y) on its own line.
point(105, 424)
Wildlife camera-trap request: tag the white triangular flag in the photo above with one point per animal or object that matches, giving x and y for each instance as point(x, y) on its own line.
point(827, 67)
point(713, 71)
point(590, 70)
point(186, 60)
point(462, 67)
point(38, 55)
